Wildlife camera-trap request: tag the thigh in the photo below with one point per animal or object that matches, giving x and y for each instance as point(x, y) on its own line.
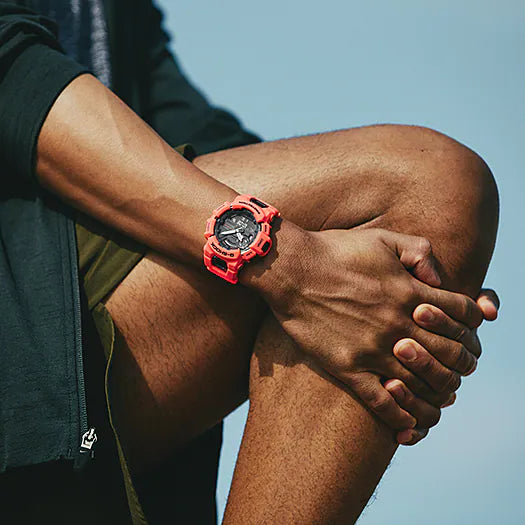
point(345, 177)
point(181, 355)
point(404, 178)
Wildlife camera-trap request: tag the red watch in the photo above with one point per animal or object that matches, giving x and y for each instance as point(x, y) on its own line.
point(237, 232)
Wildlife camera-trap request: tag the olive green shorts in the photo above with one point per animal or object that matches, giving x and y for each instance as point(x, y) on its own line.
point(105, 258)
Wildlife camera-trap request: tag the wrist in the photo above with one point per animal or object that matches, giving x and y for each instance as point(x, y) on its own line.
point(277, 276)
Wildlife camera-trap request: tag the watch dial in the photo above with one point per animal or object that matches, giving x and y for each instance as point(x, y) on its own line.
point(236, 229)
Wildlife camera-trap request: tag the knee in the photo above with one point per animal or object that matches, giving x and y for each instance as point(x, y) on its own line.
point(446, 192)
point(430, 165)
point(464, 171)
point(465, 195)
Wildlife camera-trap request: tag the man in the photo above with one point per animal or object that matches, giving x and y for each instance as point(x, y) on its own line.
point(341, 323)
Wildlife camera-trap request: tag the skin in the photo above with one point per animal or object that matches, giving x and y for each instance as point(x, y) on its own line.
point(328, 327)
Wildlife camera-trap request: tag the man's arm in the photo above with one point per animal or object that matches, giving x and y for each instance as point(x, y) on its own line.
point(99, 156)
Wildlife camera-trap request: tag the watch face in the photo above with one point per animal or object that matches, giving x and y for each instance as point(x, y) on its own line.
point(236, 229)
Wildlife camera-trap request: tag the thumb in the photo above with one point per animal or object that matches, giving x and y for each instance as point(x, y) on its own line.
point(415, 254)
point(489, 303)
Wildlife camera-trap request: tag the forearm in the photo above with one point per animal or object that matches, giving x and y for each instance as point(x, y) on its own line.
point(99, 156)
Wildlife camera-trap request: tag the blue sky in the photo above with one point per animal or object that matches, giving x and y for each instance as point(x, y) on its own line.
point(292, 67)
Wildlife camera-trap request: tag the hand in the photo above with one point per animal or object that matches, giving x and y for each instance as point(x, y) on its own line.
point(354, 298)
point(426, 414)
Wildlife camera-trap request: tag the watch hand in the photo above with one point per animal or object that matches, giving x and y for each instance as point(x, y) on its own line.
point(229, 232)
point(239, 236)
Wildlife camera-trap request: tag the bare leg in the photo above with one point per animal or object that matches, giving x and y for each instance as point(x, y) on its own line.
point(311, 453)
point(183, 359)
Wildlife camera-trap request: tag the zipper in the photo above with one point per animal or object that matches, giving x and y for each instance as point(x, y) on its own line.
point(88, 435)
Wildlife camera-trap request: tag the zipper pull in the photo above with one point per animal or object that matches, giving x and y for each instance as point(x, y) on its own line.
point(88, 441)
point(86, 451)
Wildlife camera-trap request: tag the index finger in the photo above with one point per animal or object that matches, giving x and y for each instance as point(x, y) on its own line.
point(456, 305)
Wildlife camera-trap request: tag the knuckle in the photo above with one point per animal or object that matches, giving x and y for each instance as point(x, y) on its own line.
point(343, 360)
point(461, 332)
point(450, 383)
point(380, 403)
point(352, 381)
point(378, 233)
point(472, 344)
point(424, 246)
point(467, 308)
point(377, 236)
point(410, 398)
point(472, 312)
point(464, 360)
point(416, 387)
point(393, 323)
point(425, 365)
point(409, 293)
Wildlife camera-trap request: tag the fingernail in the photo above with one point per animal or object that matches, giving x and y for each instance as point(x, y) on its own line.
point(398, 392)
point(473, 369)
point(487, 304)
point(426, 315)
point(450, 402)
point(407, 352)
point(404, 437)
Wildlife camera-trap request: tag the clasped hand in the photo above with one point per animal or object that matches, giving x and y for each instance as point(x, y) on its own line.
point(367, 309)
